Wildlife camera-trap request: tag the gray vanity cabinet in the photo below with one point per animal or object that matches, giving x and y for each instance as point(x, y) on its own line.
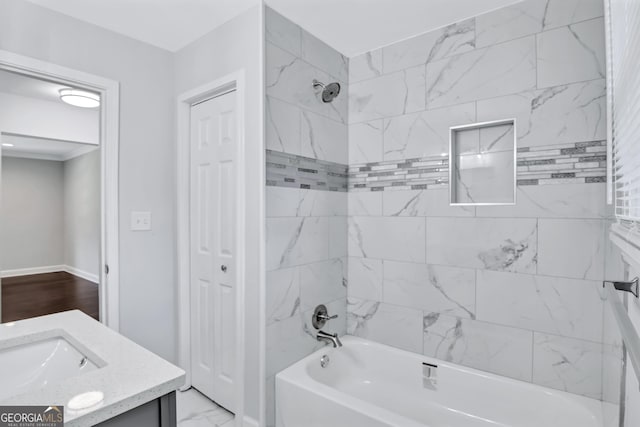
point(160, 412)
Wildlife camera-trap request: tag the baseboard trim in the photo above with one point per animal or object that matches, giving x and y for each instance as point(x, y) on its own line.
point(82, 274)
point(50, 269)
point(33, 270)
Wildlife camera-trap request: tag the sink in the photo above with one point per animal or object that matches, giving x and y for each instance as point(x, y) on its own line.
point(32, 366)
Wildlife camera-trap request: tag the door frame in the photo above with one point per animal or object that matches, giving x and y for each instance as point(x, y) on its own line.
point(233, 82)
point(109, 90)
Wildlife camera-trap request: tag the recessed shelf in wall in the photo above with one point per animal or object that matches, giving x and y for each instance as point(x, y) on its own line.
point(482, 163)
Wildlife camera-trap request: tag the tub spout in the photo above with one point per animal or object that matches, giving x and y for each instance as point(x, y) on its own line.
point(333, 338)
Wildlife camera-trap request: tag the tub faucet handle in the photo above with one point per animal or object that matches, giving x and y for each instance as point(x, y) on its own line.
point(321, 316)
point(325, 317)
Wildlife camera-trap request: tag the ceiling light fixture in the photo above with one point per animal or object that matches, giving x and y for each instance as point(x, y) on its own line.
point(80, 98)
point(6, 144)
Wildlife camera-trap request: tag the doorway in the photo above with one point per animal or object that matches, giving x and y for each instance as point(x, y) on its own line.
point(49, 225)
point(213, 146)
point(211, 239)
point(50, 211)
point(46, 130)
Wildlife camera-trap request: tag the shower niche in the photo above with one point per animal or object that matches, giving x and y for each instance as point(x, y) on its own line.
point(482, 163)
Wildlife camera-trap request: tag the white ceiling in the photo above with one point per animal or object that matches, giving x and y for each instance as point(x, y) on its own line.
point(350, 26)
point(168, 24)
point(43, 149)
point(357, 26)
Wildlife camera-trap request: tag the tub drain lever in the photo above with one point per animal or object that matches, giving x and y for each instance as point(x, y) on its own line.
point(429, 375)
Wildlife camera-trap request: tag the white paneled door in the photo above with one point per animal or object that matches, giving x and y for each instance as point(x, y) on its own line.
point(214, 148)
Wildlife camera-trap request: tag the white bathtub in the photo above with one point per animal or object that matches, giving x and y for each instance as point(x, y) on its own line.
point(367, 384)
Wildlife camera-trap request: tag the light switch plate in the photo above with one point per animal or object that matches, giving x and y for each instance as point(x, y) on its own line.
point(140, 221)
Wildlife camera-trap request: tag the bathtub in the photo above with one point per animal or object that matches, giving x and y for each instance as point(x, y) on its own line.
point(367, 384)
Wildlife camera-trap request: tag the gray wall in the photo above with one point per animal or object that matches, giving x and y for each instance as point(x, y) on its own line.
point(145, 74)
point(236, 46)
point(82, 212)
point(31, 227)
point(51, 213)
point(150, 78)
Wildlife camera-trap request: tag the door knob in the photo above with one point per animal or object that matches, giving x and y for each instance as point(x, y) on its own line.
point(223, 268)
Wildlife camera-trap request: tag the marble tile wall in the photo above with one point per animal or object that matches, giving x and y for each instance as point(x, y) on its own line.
point(507, 289)
point(512, 290)
point(306, 199)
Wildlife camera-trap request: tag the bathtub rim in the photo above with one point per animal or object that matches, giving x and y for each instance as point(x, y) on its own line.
point(297, 375)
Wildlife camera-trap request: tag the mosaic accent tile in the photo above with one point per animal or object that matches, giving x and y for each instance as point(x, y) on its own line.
point(590, 180)
point(581, 162)
point(577, 163)
point(290, 170)
point(424, 172)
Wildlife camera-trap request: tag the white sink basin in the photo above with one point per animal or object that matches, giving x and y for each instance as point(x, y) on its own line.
point(32, 366)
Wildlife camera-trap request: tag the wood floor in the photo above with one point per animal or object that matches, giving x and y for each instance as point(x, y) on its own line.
point(39, 294)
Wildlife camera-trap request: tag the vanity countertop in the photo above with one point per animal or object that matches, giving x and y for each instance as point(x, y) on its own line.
point(128, 374)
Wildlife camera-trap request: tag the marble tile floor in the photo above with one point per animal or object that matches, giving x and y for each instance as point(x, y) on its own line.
point(195, 410)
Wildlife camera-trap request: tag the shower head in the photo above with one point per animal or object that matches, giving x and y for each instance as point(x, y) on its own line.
point(329, 92)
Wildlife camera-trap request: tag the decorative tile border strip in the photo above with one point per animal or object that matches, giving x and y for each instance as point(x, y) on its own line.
point(577, 163)
point(290, 170)
point(409, 174)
